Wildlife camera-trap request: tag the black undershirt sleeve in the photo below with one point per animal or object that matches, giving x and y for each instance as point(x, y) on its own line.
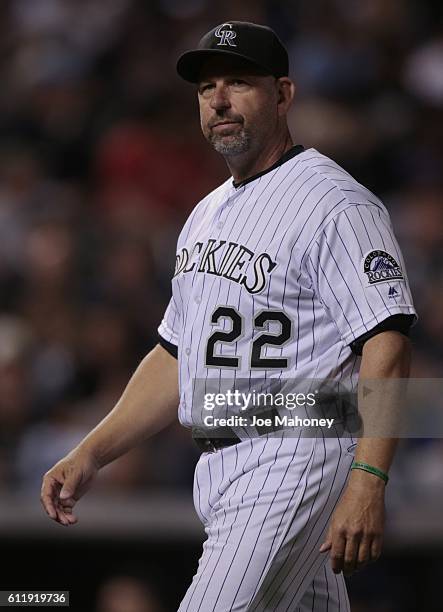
point(398, 322)
point(168, 346)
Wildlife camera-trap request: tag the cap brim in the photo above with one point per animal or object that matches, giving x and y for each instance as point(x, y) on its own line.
point(189, 64)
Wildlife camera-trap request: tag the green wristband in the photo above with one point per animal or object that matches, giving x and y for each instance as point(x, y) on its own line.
point(358, 465)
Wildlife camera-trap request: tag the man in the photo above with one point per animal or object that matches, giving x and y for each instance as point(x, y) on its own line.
point(288, 270)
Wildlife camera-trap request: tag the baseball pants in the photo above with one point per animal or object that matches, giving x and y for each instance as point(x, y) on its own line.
point(266, 504)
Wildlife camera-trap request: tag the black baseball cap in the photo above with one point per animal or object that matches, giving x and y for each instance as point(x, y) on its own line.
point(250, 42)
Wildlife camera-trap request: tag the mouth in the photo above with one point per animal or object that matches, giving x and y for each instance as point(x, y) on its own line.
point(224, 124)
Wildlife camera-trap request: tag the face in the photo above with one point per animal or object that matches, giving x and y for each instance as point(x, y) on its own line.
point(239, 106)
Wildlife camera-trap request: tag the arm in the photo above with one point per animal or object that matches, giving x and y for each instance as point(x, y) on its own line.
point(356, 530)
point(148, 404)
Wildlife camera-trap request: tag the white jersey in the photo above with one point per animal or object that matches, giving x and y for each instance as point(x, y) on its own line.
point(276, 277)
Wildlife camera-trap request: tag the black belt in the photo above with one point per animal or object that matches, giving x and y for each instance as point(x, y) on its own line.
point(210, 445)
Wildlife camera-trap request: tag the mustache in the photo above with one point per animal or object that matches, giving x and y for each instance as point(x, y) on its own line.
point(222, 119)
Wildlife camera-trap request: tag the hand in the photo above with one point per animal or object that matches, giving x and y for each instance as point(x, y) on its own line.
point(65, 483)
point(355, 534)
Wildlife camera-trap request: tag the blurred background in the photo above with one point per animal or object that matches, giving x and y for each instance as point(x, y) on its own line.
point(101, 160)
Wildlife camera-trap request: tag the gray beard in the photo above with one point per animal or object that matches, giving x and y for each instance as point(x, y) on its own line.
point(231, 145)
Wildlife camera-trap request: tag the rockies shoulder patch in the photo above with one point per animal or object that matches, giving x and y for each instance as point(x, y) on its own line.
point(380, 266)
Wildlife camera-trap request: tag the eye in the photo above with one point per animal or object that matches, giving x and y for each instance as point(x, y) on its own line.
point(204, 87)
point(238, 82)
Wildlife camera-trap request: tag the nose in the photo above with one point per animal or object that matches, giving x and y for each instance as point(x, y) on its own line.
point(220, 97)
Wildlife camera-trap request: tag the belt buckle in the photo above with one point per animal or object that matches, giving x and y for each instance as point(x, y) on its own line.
point(209, 445)
point(203, 442)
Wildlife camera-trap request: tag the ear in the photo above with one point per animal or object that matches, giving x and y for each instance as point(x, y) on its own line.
point(285, 94)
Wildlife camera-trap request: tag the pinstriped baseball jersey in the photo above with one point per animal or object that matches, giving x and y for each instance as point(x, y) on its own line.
point(276, 277)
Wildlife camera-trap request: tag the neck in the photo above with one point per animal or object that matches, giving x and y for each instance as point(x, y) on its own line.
point(250, 163)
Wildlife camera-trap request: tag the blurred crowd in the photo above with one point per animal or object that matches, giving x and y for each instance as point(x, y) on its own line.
point(101, 160)
point(127, 593)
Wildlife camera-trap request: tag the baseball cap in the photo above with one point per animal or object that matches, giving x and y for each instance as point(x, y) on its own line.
point(256, 44)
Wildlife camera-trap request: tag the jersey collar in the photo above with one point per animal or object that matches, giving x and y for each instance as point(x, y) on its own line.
point(292, 152)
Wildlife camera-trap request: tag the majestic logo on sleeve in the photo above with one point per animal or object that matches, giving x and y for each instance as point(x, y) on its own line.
point(226, 35)
point(380, 266)
point(231, 261)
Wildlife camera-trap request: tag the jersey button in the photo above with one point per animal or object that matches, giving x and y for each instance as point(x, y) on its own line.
point(188, 351)
point(219, 225)
point(198, 299)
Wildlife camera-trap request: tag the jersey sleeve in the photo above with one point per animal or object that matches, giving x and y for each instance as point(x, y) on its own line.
point(169, 328)
point(358, 272)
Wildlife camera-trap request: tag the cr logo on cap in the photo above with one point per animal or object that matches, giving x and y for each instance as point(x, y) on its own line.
point(226, 36)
